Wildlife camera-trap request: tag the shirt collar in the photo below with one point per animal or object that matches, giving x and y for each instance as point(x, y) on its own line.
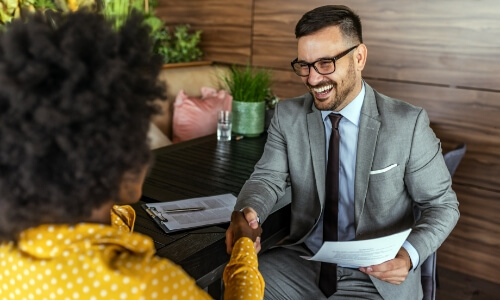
point(353, 110)
point(49, 241)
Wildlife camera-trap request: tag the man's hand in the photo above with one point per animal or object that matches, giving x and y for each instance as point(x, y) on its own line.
point(393, 271)
point(243, 224)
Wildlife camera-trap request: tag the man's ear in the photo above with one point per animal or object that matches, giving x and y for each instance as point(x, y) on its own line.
point(360, 57)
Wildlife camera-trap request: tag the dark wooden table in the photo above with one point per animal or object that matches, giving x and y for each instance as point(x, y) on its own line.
point(197, 168)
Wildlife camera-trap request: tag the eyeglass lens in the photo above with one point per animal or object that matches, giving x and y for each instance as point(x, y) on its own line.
point(323, 67)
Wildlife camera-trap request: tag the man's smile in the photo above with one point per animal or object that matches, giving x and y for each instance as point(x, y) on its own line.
point(322, 92)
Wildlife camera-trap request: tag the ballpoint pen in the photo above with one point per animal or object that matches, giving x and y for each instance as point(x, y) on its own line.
point(186, 209)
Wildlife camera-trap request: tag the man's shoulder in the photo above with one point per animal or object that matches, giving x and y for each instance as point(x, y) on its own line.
point(304, 101)
point(299, 99)
point(395, 107)
point(394, 102)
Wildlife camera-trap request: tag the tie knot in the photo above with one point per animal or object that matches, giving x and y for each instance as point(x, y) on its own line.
point(335, 119)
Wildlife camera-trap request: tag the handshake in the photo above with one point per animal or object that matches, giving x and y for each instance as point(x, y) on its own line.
point(243, 224)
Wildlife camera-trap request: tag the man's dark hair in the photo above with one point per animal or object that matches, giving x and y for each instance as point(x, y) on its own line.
point(76, 101)
point(331, 15)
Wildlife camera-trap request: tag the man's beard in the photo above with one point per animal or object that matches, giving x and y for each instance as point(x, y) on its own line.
point(340, 94)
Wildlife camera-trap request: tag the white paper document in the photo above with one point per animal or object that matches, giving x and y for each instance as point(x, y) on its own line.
point(191, 213)
point(361, 253)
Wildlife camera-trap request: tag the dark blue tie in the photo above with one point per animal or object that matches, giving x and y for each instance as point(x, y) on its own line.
point(328, 272)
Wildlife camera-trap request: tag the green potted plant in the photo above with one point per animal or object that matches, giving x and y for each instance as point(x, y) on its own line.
point(250, 88)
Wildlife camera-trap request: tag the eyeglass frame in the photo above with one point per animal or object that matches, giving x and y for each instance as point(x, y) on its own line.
point(333, 59)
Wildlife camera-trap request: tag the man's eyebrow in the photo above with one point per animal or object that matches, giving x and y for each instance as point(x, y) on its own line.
point(321, 58)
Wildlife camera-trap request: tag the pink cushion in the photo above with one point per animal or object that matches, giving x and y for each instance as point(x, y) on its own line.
point(195, 117)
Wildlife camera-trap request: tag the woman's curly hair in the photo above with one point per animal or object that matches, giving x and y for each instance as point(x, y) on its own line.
point(76, 101)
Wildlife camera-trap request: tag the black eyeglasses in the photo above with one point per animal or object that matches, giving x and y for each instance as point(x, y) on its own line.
point(323, 66)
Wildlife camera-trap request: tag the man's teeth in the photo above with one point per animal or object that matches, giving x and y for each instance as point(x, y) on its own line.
point(323, 88)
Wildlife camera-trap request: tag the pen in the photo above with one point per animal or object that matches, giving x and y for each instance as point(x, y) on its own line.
point(186, 209)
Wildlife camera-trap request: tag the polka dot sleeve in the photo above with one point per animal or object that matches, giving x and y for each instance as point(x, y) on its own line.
point(242, 278)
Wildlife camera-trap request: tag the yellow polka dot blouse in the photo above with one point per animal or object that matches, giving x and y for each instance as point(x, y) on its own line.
point(93, 261)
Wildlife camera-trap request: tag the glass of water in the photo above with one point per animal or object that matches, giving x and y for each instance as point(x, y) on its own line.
point(224, 125)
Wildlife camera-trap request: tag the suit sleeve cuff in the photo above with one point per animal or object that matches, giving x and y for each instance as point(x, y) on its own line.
point(414, 257)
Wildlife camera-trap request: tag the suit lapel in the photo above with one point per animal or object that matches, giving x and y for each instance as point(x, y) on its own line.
point(316, 133)
point(369, 125)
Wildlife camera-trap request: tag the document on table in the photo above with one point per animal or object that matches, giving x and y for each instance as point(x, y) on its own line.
point(361, 253)
point(191, 213)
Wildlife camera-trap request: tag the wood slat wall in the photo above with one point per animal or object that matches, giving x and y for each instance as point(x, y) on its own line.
point(226, 25)
point(440, 55)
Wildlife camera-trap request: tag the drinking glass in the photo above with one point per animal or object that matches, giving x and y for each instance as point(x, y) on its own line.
point(224, 125)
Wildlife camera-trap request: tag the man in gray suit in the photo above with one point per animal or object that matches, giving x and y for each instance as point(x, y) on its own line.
point(390, 162)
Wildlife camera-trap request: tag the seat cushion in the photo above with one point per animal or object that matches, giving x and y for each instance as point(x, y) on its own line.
point(157, 138)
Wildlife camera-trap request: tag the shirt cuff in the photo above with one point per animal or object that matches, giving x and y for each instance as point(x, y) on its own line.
point(414, 257)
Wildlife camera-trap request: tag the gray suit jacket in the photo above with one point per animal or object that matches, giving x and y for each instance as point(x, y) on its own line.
point(390, 132)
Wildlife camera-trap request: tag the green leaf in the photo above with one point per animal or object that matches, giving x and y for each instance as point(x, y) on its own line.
point(44, 4)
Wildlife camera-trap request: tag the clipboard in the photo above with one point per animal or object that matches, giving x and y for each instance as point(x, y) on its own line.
point(191, 213)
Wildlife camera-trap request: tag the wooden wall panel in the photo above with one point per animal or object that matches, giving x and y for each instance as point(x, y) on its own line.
point(226, 45)
point(226, 25)
point(473, 245)
point(287, 85)
point(274, 43)
point(438, 42)
point(447, 43)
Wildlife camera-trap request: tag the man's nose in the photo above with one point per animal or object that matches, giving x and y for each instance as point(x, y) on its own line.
point(314, 77)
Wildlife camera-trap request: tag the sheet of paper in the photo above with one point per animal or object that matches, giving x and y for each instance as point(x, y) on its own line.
point(361, 253)
point(216, 210)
